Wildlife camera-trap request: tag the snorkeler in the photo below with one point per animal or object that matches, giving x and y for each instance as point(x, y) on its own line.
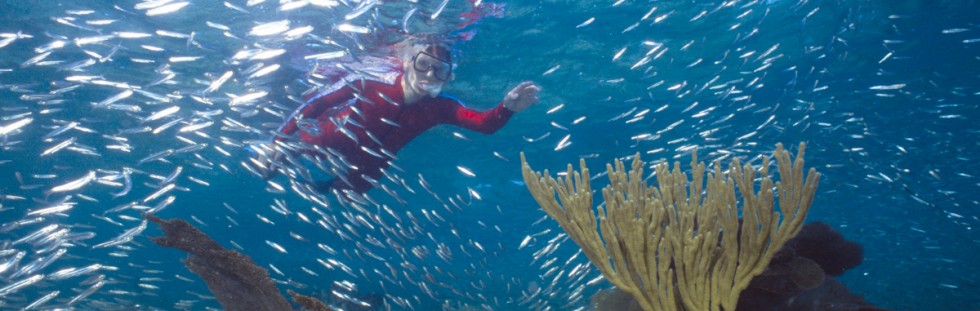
point(358, 126)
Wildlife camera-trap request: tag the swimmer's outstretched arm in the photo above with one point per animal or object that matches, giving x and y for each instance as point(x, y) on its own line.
point(489, 121)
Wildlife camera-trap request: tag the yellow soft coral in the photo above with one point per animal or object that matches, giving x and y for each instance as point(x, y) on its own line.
point(672, 247)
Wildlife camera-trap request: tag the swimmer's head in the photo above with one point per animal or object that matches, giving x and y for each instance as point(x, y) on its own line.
point(429, 68)
point(433, 61)
point(438, 51)
point(408, 48)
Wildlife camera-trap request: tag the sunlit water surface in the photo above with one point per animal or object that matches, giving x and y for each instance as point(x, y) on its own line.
point(884, 93)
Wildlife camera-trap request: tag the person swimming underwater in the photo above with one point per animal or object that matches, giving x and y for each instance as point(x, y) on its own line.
point(358, 126)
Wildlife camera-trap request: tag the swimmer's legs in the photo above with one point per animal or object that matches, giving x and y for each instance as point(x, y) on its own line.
point(323, 186)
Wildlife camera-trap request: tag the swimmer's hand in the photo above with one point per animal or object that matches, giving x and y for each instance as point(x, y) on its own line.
point(267, 159)
point(522, 96)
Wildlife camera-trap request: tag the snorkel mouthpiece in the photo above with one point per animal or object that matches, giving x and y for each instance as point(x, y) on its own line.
point(433, 90)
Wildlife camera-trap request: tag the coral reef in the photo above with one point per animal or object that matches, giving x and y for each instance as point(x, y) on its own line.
point(671, 247)
point(309, 303)
point(800, 276)
point(236, 281)
point(826, 247)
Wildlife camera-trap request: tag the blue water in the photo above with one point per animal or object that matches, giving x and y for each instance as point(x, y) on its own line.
point(884, 93)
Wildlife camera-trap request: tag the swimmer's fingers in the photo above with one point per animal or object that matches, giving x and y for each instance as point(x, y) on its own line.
point(269, 161)
point(522, 96)
point(527, 88)
point(530, 91)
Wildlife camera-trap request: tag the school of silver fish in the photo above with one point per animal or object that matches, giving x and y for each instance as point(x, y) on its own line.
point(114, 110)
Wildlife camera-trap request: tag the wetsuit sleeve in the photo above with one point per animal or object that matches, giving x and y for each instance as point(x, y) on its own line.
point(486, 122)
point(316, 104)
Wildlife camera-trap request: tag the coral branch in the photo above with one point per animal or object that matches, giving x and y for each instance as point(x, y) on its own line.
point(672, 247)
point(233, 278)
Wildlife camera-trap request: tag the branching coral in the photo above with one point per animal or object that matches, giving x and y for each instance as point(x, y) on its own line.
point(680, 246)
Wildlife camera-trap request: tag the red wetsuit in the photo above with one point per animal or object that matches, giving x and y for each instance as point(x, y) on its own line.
point(393, 125)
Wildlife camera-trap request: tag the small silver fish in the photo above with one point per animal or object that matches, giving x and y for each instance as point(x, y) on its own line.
point(125, 237)
point(6, 129)
point(75, 184)
point(276, 246)
point(466, 171)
